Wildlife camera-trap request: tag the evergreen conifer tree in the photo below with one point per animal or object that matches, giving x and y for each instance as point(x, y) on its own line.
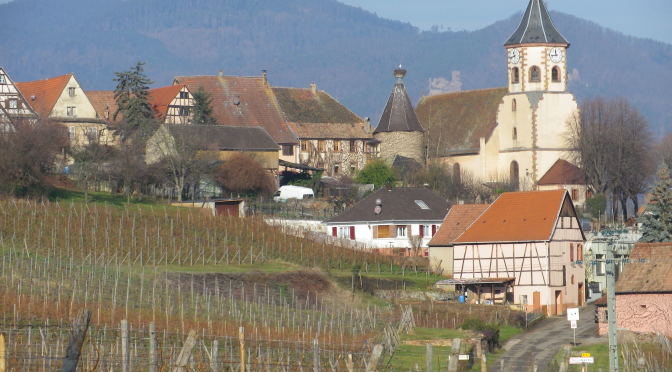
point(132, 96)
point(202, 110)
point(657, 219)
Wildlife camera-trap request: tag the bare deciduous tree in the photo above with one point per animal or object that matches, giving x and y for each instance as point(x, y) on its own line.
point(241, 173)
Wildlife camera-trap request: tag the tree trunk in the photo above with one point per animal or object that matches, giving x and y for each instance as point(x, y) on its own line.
point(624, 207)
point(614, 207)
point(635, 202)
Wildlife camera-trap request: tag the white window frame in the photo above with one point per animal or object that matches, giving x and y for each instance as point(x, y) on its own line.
point(71, 111)
point(400, 231)
point(72, 91)
point(3, 79)
point(13, 104)
point(427, 231)
point(344, 232)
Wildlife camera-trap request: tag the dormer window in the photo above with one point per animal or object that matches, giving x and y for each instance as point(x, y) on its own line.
point(535, 74)
point(515, 75)
point(421, 204)
point(555, 74)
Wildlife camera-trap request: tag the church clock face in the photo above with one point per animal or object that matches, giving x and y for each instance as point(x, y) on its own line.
point(514, 56)
point(555, 54)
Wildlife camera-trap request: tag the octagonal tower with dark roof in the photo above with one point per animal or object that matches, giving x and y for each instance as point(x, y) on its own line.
point(399, 131)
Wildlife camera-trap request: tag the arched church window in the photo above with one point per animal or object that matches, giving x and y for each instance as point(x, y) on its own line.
point(535, 74)
point(515, 134)
point(514, 175)
point(555, 74)
point(457, 172)
point(514, 105)
point(515, 75)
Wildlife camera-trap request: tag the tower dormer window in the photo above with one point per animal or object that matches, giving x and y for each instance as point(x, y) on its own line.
point(514, 105)
point(515, 134)
point(515, 75)
point(555, 74)
point(535, 74)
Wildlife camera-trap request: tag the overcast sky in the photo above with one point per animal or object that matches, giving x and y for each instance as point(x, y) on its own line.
point(643, 18)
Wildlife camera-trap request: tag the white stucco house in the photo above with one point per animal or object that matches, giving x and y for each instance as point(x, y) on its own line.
point(392, 220)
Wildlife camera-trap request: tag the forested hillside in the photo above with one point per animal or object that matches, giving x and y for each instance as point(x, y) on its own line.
point(347, 51)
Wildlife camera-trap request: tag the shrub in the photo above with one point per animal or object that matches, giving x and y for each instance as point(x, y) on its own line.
point(243, 174)
point(378, 173)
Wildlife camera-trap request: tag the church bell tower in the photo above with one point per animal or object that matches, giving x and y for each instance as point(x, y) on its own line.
point(537, 53)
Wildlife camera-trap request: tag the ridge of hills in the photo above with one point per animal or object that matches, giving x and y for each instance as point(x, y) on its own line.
point(349, 52)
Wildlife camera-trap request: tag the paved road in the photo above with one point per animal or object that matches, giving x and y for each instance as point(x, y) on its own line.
point(544, 341)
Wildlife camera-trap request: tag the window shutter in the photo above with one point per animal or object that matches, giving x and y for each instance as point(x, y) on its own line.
point(334, 231)
point(571, 252)
point(433, 230)
point(422, 231)
point(352, 233)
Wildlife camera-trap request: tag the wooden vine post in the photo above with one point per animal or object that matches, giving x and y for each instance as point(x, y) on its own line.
point(77, 336)
point(241, 339)
point(185, 353)
point(3, 360)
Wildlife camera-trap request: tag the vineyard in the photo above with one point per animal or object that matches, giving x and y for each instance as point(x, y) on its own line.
point(159, 266)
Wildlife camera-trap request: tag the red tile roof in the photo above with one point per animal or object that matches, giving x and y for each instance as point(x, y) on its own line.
point(161, 98)
point(42, 95)
point(457, 220)
point(243, 101)
point(651, 276)
point(517, 217)
point(563, 172)
point(104, 103)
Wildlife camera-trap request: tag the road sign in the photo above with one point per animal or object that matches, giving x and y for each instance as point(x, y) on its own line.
point(585, 355)
point(573, 324)
point(463, 357)
point(581, 360)
point(573, 313)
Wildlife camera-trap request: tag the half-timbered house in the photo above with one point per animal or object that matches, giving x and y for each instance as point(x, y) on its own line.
point(523, 249)
point(172, 104)
point(13, 105)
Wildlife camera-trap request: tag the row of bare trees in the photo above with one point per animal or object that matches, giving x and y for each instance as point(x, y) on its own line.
point(614, 147)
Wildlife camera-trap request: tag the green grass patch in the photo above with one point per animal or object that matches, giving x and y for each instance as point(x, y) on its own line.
point(434, 334)
point(117, 200)
point(406, 357)
point(266, 267)
point(397, 280)
point(507, 332)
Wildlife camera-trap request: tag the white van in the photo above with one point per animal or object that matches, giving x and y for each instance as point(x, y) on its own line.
point(293, 192)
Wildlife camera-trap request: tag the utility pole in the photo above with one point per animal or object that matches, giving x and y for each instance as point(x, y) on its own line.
point(611, 309)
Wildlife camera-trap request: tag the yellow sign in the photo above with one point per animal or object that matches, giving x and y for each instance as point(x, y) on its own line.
point(585, 355)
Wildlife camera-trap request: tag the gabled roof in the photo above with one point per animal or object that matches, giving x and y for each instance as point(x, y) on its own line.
point(536, 27)
point(405, 166)
point(651, 276)
point(455, 122)
point(563, 172)
point(161, 98)
point(224, 137)
point(518, 217)
point(42, 95)
point(398, 204)
point(301, 105)
point(331, 130)
point(399, 115)
point(242, 101)
point(104, 103)
point(456, 222)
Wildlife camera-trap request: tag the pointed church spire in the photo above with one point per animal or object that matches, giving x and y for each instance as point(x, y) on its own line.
point(399, 115)
point(536, 27)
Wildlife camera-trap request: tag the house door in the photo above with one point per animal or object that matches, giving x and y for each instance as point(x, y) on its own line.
point(581, 293)
point(536, 301)
point(558, 303)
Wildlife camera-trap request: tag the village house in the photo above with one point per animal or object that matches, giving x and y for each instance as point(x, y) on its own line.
point(13, 105)
point(214, 142)
point(567, 176)
point(512, 134)
point(313, 130)
point(521, 249)
point(62, 100)
point(399, 221)
point(643, 292)
point(622, 241)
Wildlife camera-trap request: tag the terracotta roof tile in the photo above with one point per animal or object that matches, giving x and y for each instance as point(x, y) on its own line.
point(303, 106)
point(563, 172)
point(456, 222)
point(104, 103)
point(331, 130)
point(243, 101)
point(459, 120)
point(517, 217)
point(398, 204)
point(42, 95)
point(651, 276)
point(161, 98)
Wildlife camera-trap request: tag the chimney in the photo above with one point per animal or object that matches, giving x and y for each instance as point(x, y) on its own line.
point(264, 76)
point(220, 73)
point(399, 74)
point(313, 88)
point(379, 207)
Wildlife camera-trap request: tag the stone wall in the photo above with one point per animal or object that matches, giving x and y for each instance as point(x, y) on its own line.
point(407, 144)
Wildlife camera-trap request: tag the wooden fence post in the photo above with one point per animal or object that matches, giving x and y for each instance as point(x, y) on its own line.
point(213, 361)
point(185, 353)
point(428, 358)
point(348, 363)
point(316, 355)
point(125, 357)
point(153, 365)
point(454, 352)
point(77, 336)
point(373, 361)
point(3, 358)
point(241, 339)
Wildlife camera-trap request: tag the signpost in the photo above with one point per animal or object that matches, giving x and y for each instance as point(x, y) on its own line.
point(573, 317)
point(583, 360)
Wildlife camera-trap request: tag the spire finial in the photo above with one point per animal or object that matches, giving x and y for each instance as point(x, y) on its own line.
point(399, 74)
